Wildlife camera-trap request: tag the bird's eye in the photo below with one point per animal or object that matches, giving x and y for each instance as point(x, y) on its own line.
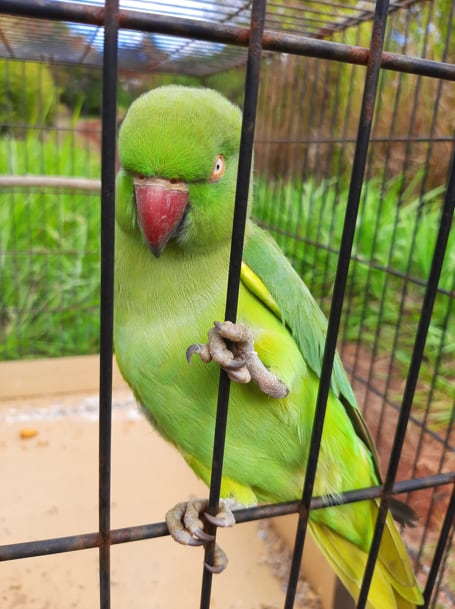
point(218, 168)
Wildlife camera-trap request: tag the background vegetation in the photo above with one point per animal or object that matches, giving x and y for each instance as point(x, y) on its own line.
point(49, 253)
point(28, 96)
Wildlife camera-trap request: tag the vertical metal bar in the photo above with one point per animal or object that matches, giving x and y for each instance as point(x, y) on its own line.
point(444, 539)
point(345, 129)
point(423, 189)
point(419, 344)
point(355, 188)
point(108, 138)
point(407, 168)
point(238, 233)
point(413, 373)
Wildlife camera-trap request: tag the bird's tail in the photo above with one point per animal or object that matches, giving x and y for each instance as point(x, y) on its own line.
point(393, 585)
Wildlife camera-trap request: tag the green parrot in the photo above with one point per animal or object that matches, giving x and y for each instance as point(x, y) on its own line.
point(179, 151)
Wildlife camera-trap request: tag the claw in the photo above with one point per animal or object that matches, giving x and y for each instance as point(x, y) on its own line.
point(237, 333)
point(239, 376)
point(202, 536)
point(232, 365)
point(220, 353)
point(186, 527)
point(185, 538)
point(201, 350)
point(254, 369)
point(220, 561)
point(224, 518)
point(192, 521)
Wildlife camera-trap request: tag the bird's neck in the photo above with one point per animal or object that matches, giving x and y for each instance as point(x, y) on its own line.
point(185, 279)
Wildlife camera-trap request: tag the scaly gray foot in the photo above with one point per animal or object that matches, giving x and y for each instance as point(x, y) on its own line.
point(185, 525)
point(241, 362)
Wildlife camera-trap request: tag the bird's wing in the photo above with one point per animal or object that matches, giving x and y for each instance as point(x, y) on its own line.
point(268, 274)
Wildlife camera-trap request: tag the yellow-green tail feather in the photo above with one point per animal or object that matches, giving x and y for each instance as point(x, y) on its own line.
point(393, 585)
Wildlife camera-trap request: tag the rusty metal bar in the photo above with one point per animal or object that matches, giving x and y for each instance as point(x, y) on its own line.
point(84, 541)
point(355, 186)
point(444, 539)
point(445, 225)
point(238, 234)
point(36, 181)
point(227, 34)
point(108, 148)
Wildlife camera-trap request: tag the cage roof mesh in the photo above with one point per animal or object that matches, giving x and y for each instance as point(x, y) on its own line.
point(22, 37)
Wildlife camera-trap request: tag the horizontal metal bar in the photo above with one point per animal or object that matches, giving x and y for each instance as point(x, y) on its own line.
point(386, 139)
point(355, 257)
point(396, 407)
point(85, 541)
point(82, 541)
point(227, 34)
point(35, 181)
point(372, 492)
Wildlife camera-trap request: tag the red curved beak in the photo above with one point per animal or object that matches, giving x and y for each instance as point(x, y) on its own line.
point(160, 208)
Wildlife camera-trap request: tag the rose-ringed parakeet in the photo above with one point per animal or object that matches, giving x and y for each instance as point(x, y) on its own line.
point(179, 149)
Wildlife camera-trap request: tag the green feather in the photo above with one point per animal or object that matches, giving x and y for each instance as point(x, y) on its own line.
point(297, 307)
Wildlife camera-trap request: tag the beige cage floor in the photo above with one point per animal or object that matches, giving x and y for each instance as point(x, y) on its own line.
point(48, 456)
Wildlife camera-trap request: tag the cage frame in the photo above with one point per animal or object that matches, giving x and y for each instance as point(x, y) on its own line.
point(257, 40)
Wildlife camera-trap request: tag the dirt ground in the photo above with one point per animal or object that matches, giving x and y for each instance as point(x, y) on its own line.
point(48, 452)
point(422, 454)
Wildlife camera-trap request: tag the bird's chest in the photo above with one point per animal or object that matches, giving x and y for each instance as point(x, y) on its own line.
point(152, 357)
point(160, 312)
point(162, 308)
point(180, 315)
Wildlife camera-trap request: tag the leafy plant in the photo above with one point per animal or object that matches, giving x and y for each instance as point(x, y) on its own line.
point(49, 251)
point(28, 95)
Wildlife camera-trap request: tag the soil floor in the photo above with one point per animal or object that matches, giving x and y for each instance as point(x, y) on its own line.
point(49, 456)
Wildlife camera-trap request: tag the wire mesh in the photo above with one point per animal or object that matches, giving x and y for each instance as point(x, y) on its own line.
point(395, 319)
point(79, 42)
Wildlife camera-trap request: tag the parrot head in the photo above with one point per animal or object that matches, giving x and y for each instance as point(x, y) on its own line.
point(178, 149)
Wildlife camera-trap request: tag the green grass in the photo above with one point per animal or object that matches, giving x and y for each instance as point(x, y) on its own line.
point(49, 253)
point(392, 252)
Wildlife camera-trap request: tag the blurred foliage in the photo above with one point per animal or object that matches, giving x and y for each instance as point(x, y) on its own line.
point(413, 121)
point(230, 83)
point(49, 250)
point(81, 87)
point(28, 95)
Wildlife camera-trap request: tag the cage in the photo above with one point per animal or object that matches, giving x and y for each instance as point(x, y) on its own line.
point(351, 107)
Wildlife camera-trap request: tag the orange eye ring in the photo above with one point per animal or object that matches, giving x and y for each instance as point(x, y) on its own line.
point(218, 168)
